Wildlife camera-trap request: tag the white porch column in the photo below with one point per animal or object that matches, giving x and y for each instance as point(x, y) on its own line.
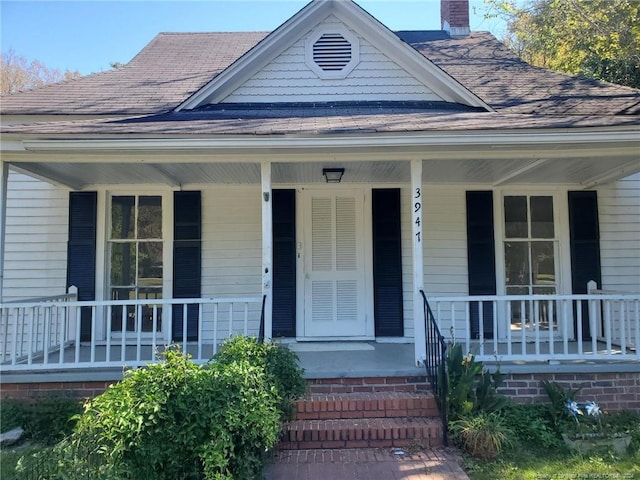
point(3, 220)
point(267, 248)
point(418, 274)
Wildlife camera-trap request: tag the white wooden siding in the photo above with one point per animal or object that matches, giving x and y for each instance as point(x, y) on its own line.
point(231, 250)
point(36, 238)
point(619, 212)
point(288, 79)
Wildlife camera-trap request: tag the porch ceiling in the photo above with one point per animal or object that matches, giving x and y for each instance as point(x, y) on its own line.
point(586, 159)
point(576, 171)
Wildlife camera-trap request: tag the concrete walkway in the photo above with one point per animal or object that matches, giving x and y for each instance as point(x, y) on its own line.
point(366, 464)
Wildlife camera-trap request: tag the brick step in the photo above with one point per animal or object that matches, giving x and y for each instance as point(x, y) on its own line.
point(368, 384)
point(362, 433)
point(320, 406)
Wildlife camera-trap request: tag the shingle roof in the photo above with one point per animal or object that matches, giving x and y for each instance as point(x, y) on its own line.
point(175, 65)
point(320, 119)
point(507, 83)
point(165, 72)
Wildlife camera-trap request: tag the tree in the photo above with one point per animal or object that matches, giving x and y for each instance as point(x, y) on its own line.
point(593, 38)
point(17, 73)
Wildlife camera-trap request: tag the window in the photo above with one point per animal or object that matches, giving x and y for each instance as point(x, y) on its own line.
point(530, 251)
point(135, 255)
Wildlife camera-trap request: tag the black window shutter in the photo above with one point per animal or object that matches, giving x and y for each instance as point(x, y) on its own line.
point(481, 257)
point(284, 263)
point(584, 237)
point(187, 259)
point(387, 263)
point(81, 252)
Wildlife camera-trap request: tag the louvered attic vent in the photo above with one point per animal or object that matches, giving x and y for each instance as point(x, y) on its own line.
point(332, 52)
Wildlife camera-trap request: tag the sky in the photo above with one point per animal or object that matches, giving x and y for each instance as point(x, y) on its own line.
point(87, 35)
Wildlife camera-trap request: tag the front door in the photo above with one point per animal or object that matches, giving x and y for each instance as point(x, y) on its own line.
point(334, 269)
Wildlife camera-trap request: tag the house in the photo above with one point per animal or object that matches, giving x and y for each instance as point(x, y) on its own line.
point(330, 182)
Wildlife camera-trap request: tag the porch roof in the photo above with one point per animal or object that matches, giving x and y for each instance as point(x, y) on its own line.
point(324, 118)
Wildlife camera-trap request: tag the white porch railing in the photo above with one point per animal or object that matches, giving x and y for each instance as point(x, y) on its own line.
point(543, 327)
point(53, 333)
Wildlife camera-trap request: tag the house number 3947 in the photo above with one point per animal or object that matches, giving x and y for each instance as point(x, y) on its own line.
point(417, 206)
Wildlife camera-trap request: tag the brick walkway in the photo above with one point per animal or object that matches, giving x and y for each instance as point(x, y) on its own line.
point(365, 464)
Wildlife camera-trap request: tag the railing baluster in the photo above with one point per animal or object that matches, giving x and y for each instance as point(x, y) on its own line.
point(107, 355)
point(468, 325)
point(523, 328)
point(592, 328)
point(30, 338)
point(509, 333)
point(565, 326)
point(637, 322)
point(246, 319)
point(536, 324)
point(154, 335)
point(92, 334)
point(623, 326)
point(184, 328)
point(215, 328)
point(607, 325)
point(138, 332)
point(123, 330)
point(579, 322)
point(481, 326)
point(77, 342)
point(200, 331)
point(551, 336)
point(62, 334)
point(495, 327)
point(47, 314)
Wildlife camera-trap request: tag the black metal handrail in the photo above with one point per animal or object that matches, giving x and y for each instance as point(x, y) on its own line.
point(436, 363)
point(261, 330)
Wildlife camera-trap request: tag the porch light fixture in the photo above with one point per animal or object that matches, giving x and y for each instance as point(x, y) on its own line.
point(333, 175)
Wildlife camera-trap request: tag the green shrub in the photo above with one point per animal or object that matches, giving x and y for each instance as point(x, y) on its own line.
point(532, 426)
point(177, 420)
point(471, 388)
point(44, 421)
point(279, 363)
point(482, 435)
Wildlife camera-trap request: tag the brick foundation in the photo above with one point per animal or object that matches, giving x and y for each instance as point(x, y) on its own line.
point(611, 391)
point(34, 391)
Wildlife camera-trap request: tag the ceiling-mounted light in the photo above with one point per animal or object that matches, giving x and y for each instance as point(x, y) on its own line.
point(333, 175)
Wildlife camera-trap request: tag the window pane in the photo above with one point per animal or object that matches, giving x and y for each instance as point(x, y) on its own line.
point(543, 263)
point(123, 270)
point(150, 217)
point(516, 263)
point(542, 217)
point(150, 264)
point(515, 217)
point(122, 217)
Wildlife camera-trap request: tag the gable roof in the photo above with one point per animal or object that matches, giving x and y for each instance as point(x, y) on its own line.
point(173, 66)
point(354, 17)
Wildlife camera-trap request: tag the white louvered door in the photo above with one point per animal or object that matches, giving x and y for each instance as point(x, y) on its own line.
point(334, 273)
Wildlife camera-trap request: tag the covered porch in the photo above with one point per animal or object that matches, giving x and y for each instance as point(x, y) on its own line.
point(64, 334)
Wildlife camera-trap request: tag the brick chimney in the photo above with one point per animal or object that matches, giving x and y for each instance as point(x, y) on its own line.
point(454, 17)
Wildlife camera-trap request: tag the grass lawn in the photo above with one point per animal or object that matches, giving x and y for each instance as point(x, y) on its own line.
point(540, 464)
